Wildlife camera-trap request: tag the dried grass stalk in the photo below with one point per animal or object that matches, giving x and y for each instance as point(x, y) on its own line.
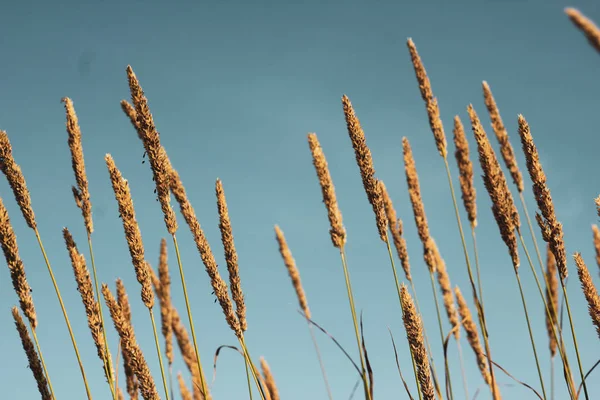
point(34, 361)
point(132, 230)
point(231, 256)
point(337, 231)
point(183, 389)
point(552, 231)
point(414, 191)
point(503, 206)
point(8, 241)
point(130, 346)
point(414, 334)
point(86, 290)
point(597, 243)
point(218, 284)
point(164, 297)
point(81, 193)
point(269, 380)
point(506, 148)
point(472, 335)
point(156, 154)
point(465, 169)
point(395, 225)
point(551, 298)
point(431, 103)
point(130, 378)
point(444, 281)
point(585, 25)
point(290, 264)
point(16, 180)
point(589, 290)
point(365, 164)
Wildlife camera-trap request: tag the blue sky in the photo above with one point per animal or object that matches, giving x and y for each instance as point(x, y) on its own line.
point(235, 87)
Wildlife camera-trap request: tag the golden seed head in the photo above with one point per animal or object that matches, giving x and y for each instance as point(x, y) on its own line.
point(337, 231)
point(157, 155)
point(431, 103)
point(32, 356)
point(589, 291)
point(506, 148)
point(269, 380)
point(81, 193)
point(231, 256)
point(130, 346)
point(552, 231)
point(395, 225)
point(596, 232)
point(551, 298)
point(290, 264)
point(86, 290)
point(465, 168)
point(218, 284)
point(414, 333)
point(130, 378)
point(365, 165)
point(164, 297)
point(8, 241)
point(585, 25)
point(414, 191)
point(16, 180)
point(132, 230)
point(503, 206)
point(183, 389)
point(447, 296)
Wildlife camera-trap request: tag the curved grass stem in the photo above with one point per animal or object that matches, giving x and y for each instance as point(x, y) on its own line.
point(321, 364)
point(64, 311)
point(261, 391)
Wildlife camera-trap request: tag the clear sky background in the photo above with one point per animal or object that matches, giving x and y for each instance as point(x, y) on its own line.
point(235, 87)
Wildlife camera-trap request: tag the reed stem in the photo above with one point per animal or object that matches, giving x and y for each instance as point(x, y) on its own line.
point(64, 311)
point(160, 360)
point(462, 368)
point(39, 350)
point(203, 387)
point(566, 298)
point(242, 341)
point(537, 363)
point(553, 319)
point(355, 322)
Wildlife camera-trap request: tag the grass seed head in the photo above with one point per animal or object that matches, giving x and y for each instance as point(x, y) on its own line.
point(465, 168)
point(589, 290)
point(585, 25)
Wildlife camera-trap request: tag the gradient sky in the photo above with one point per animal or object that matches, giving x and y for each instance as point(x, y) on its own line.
point(234, 88)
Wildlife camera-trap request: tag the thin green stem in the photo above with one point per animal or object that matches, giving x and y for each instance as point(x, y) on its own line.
point(203, 387)
point(537, 363)
point(64, 311)
point(160, 359)
point(355, 321)
point(439, 318)
point(478, 300)
point(566, 297)
point(325, 380)
point(551, 314)
point(171, 380)
point(552, 378)
point(242, 341)
point(107, 366)
point(39, 350)
point(248, 377)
